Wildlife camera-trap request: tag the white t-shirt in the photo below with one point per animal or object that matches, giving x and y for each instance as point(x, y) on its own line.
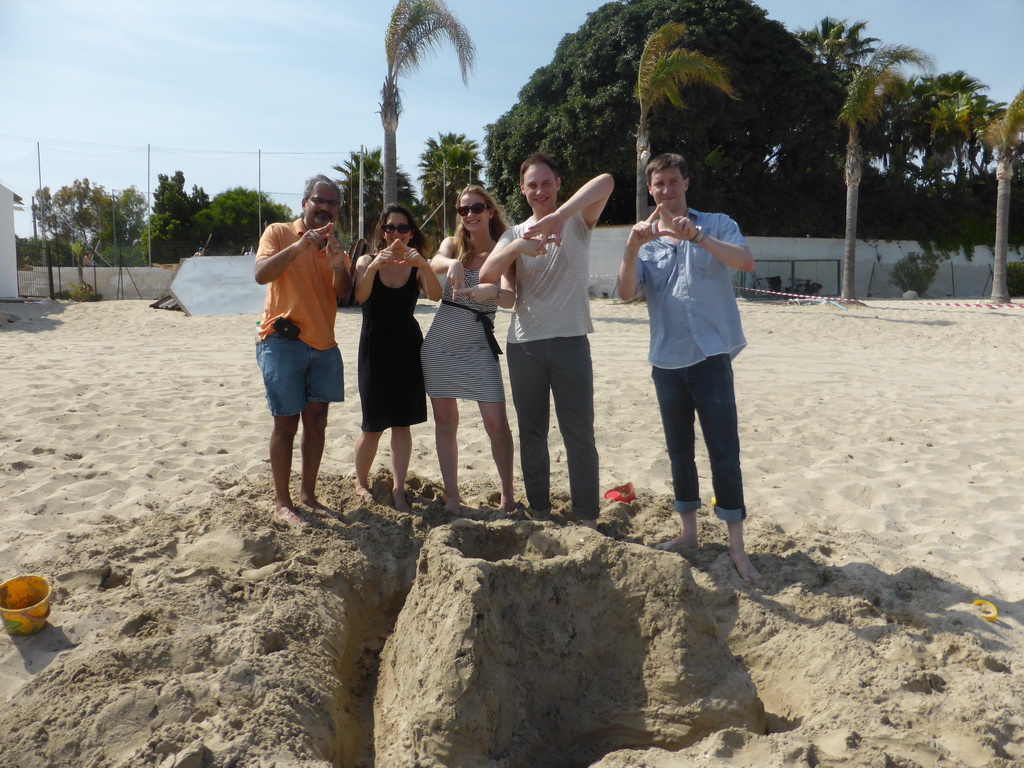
point(552, 290)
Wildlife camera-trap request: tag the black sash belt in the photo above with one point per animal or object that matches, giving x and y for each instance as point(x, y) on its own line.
point(484, 319)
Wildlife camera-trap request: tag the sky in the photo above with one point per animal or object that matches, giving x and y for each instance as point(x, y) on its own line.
point(260, 93)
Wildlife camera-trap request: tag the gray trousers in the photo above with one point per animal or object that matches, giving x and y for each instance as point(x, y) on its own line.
point(559, 368)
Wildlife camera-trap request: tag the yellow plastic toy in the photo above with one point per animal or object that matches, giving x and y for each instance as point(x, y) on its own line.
point(25, 604)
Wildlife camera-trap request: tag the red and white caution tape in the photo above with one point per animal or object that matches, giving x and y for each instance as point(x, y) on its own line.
point(972, 306)
point(801, 296)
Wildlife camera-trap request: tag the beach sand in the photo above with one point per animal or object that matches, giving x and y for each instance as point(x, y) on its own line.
point(882, 449)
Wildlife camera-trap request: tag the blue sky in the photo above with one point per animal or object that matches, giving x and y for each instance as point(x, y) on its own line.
point(208, 84)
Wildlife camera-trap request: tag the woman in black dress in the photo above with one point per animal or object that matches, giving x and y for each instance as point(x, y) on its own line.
point(391, 391)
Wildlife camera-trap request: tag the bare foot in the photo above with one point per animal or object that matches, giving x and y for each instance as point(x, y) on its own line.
point(683, 540)
point(591, 524)
point(744, 567)
point(288, 514)
point(364, 493)
point(323, 511)
point(453, 507)
point(508, 506)
point(738, 553)
point(401, 502)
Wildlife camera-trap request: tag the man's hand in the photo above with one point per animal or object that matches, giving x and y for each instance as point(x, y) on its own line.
point(679, 227)
point(548, 229)
point(646, 230)
point(532, 247)
point(318, 239)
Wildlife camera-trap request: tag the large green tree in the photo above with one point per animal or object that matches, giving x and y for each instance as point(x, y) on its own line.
point(448, 164)
point(760, 157)
point(417, 28)
point(871, 81)
point(664, 71)
point(235, 218)
point(173, 221)
point(1005, 134)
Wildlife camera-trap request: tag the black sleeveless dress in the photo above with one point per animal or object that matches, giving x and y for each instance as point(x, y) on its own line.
point(390, 374)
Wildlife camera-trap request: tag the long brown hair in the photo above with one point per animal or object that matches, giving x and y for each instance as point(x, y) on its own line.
point(463, 243)
point(418, 240)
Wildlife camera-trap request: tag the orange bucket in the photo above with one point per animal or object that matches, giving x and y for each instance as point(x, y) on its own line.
point(24, 604)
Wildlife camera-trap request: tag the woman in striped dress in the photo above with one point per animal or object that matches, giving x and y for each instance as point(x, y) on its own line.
point(459, 354)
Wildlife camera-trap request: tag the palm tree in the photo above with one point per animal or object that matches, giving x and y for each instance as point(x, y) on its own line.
point(373, 189)
point(664, 71)
point(837, 44)
point(416, 29)
point(449, 163)
point(1005, 135)
point(870, 84)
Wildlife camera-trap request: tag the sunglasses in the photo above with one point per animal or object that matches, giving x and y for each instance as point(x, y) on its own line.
point(402, 229)
point(324, 201)
point(465, 210)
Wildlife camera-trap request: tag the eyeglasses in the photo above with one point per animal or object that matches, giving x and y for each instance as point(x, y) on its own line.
point(402, 229)
point(324, 201)
point(465, 210)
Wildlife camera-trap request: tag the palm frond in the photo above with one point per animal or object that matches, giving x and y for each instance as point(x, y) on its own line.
point(874, 80)
point(418, 29)
point(664, 71)
point(1005, 133)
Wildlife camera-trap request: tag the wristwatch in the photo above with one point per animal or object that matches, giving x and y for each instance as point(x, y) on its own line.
point(696, 239)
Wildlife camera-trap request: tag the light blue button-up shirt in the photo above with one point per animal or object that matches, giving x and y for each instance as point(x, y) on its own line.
point(690, 297)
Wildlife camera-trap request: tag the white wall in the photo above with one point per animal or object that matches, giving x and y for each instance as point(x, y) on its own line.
point(135, 282)
point(8, 254)
point(958, 277)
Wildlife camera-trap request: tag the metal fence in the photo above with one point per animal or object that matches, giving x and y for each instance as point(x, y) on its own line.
point(27, 165)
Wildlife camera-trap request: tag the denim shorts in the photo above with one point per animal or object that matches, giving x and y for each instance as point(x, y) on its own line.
point(295, 374)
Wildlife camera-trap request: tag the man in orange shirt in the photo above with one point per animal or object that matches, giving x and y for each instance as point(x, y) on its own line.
point(305, 272)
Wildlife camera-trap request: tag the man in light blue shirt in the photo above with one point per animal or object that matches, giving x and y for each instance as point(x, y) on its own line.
point(683, 258)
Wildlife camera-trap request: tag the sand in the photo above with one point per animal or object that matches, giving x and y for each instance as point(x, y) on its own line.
point(882, 463)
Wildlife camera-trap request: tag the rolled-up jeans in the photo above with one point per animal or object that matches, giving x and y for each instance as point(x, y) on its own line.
point(705, 388)
point(559, 369)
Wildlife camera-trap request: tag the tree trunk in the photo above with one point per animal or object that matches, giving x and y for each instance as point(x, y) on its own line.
point(853, 175)
point(390, 107)
point(1000, 289)
point(390, 167)
point(643, 155)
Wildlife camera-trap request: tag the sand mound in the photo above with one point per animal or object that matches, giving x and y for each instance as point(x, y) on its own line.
point(525, 644)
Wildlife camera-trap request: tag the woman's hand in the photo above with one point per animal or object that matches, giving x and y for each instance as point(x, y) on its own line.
point(456, 275)
point(414, 258)
point(478, 293)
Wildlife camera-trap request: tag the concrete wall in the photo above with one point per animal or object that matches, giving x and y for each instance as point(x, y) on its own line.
point(135, 282)
point(8, 255)
point(955, 278)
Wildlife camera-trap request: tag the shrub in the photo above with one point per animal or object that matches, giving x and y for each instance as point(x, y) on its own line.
point(1015, 277)
point(914, 272)
point(82, 292)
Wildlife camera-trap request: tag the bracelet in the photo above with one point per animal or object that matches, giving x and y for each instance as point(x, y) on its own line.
point(338, 269)
point(498, 286)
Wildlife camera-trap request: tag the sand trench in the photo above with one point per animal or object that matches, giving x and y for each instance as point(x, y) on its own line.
point(221, 638)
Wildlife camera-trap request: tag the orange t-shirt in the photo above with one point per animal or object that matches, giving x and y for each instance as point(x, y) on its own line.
point(304, 292)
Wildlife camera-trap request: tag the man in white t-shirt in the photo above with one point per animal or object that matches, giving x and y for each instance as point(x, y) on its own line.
point(546, 260)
